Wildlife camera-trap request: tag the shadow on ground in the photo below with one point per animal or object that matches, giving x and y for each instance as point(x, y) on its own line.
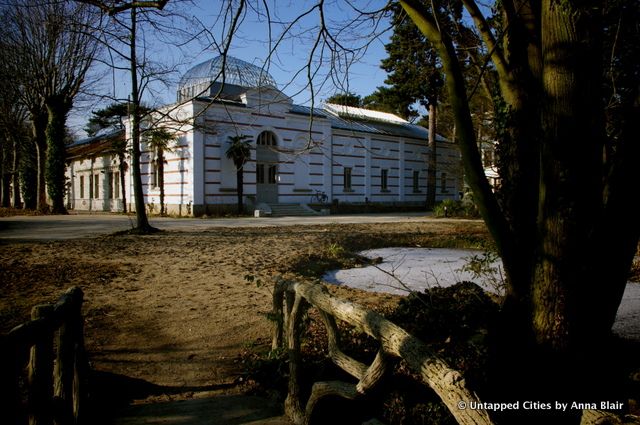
point(122, 400)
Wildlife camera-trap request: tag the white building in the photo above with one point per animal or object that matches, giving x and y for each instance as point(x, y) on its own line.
point(352, 155)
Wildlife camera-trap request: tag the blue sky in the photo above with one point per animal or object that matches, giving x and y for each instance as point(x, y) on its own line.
point(251, 44)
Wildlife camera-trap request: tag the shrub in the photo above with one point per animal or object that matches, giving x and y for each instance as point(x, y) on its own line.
point(451, 208)
point(486, 267)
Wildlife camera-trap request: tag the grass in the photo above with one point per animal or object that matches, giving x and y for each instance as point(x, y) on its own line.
point(10, 212)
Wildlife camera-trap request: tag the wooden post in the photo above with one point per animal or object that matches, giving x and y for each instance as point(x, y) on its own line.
point(69, 307)
point(278, 299)
point(40, 375)
point(9, 400)
point(292, 405)
point(81, 365)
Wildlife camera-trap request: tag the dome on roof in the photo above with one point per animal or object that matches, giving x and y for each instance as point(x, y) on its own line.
point(236, 72)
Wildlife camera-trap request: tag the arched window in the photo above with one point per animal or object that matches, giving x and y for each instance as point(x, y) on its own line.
point(266, 138)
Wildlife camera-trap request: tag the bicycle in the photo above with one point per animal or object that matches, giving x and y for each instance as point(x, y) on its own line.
point(319, 197)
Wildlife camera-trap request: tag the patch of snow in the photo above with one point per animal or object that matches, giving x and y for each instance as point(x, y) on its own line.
point(408, 269)
point(416, 269)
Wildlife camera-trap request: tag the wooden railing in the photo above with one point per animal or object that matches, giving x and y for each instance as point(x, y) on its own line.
point(51, 345)
point(394, 341)
point(290, 300)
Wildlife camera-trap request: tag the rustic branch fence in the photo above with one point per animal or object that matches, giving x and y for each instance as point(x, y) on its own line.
point(291, 299)
point(51, 344)
point(394, 341)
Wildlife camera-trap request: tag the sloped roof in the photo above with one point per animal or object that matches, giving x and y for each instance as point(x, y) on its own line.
point(367, 121)
point(101, 143)
point(306, 110)
point(351, 112)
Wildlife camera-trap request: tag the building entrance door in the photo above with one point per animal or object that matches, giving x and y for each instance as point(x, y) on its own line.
point(266, 168)
point(266, 182)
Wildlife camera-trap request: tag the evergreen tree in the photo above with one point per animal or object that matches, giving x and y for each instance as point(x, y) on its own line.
point(414, 70)
point(414, 77)
point(111, 116)
point(346, 99)
point(391, 100)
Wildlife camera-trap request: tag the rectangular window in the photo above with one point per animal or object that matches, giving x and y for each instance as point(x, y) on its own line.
point(109, 183)
point(96, 186)
point(116, 185)
point(260, 174)
point(416, 181)
point(346, 184)
point(90, 185)
point(81, 186)
point(272, 174)
point(384, 179)
point(443, 182)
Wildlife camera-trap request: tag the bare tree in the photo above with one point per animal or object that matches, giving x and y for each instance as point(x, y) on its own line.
point(122, 40)
point(52, 50)
point(13, 137)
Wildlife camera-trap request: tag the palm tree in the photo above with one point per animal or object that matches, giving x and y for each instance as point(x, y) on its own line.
point(158, 141)
point(239, 151)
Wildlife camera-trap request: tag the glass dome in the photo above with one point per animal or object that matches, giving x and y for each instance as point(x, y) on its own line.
point(236, 72)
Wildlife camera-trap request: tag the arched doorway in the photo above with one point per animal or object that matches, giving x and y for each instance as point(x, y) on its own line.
point(266, 168)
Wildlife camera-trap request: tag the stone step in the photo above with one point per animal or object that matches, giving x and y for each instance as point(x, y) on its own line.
point(287, 210)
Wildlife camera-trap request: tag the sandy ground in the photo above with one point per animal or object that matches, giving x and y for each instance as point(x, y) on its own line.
point(174, 309)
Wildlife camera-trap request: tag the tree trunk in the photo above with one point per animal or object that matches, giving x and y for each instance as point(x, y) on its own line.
point(160, 164)
point(571, 179)
point(6, 190)
point(562, 351)
point(39, 124)
point(28, 172)
point(15, 178)
point(57, 109)
point(550, 224)
point(143, 225)
point(5, 177)
point(432, 164)
point(123, 170)
point(240, 189)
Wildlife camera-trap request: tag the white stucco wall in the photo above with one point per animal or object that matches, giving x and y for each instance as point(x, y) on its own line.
point(82, 176)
